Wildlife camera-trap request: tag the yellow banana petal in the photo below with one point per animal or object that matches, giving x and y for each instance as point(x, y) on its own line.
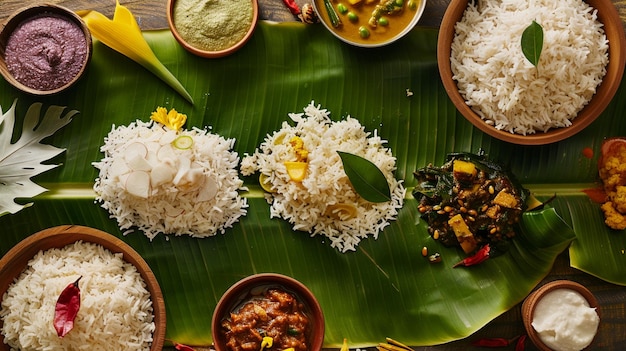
point(123, 15)
point(123, 35)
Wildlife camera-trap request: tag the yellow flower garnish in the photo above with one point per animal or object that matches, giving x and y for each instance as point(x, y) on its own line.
point(267, 342)
point(298, 147)
point(123, 35)
point(173, 120)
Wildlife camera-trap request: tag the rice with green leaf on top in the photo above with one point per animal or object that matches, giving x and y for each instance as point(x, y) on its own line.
point(323, 201)
point(504, 87)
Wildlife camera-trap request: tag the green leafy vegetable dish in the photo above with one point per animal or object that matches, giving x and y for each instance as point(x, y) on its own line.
point(470, 201)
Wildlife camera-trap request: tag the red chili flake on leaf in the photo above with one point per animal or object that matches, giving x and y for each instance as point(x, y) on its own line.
point(480, 256)
point(66, 308)
point(597, 195)
point(588, 152)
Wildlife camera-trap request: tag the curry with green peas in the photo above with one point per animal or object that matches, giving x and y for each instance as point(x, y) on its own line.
point(368, 22)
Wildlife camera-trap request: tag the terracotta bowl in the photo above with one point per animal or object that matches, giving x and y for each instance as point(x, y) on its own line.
point(207, 53)
point(529, 304)
point(240, 292)
point(607, 14)
point(15, 260)
point(373, 41)
point(11, 24)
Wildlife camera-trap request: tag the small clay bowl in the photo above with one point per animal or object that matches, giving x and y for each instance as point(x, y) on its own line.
point(348, 30)
point(529, 304)
point(15, 260)
point(30, 13)
point(171, 6)
point(241, 291)
point(614, 30)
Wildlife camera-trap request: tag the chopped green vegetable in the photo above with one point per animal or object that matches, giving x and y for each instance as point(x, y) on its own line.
point(364, 32)
point(343, 9)
point(332, 14)
point(183, 142)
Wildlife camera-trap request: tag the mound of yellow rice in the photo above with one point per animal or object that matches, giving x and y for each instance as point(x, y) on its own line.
point(116, 310)
point(324, 202)
point(192, 190)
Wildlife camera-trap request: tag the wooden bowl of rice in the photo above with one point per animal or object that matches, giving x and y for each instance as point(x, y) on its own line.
point(14, 262)
point(607, 15)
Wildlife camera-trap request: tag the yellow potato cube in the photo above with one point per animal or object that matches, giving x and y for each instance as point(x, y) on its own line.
point(296, 170)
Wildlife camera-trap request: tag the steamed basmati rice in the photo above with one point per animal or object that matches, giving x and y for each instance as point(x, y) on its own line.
point(503, 87)
point(116, 311)
point(306, 204)
point(180, 205)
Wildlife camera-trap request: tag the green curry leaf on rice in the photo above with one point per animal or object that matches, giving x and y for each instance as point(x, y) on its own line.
point(532, 42)
point(367, 179)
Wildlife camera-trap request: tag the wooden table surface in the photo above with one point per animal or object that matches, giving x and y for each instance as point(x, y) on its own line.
point(151, 15)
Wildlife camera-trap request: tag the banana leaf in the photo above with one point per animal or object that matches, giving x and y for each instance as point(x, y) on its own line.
point(384, 289)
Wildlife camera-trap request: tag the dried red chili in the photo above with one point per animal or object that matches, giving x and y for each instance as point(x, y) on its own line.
point(181, 347)
point(491, 342)
point(479, 257)
point(498, 342)
point(521, 343)
point(66, 308)
point(292, 6)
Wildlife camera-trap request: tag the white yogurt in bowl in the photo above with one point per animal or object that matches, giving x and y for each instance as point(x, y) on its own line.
point(561, 315)
point(565, 321)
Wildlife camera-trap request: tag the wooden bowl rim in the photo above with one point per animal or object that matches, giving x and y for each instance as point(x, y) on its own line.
point(529, 304)
point(30, 11)
point(614, 30)
point(14, 262)
point(232, 297)
point(211, 54)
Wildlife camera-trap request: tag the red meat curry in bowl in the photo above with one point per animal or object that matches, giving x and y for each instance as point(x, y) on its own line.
point(268, 311)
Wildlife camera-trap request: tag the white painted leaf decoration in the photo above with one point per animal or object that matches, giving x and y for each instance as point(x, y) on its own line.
point(22, 160)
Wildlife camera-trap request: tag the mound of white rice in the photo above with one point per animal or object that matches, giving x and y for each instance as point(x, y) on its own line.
point(116, 311)
point(503, 87)
point(189, 191)
point(308, 204)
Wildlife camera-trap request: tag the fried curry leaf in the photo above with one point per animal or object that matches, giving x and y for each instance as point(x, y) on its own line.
point(532, 42)
point(366, 178)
